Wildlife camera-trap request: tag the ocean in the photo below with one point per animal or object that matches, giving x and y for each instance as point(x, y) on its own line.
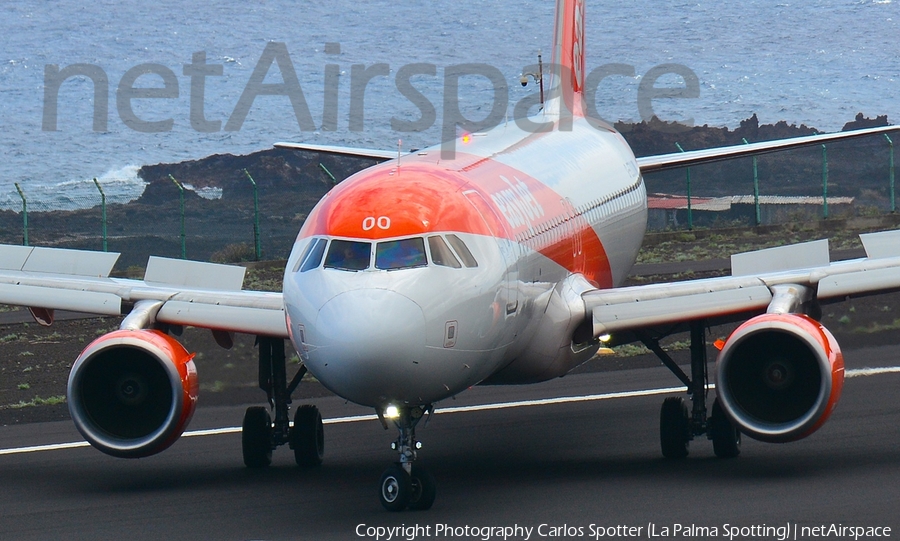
point(816, 62)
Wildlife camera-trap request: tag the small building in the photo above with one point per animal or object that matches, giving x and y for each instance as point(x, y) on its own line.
point(667, 211)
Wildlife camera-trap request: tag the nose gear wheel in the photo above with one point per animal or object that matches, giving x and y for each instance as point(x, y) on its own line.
point(406, 485)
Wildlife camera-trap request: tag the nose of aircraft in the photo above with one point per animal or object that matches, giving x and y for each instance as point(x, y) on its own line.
point(370, 344)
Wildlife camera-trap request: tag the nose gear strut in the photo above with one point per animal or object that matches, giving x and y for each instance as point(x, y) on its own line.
point(406, 484)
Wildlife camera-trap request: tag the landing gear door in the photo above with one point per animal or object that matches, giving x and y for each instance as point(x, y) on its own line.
point(506, 246)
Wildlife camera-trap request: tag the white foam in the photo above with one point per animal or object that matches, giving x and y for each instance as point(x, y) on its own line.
point(120, 185)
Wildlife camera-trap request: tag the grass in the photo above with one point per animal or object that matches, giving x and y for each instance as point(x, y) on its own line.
point(10, 338)
point(214, 387)
point(878, 327)
point(264, 279)
point(721, 244)
point(38, 401)
point(634, 350)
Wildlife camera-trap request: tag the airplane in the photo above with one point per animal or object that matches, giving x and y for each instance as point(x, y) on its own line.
point(423, 275)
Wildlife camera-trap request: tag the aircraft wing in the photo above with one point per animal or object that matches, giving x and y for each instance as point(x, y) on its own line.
point(380, 155)
point(774, 279)
point(662, 162)
point(181, 292)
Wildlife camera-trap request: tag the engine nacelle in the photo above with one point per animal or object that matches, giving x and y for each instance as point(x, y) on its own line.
point(779, 377)
point(132, 393)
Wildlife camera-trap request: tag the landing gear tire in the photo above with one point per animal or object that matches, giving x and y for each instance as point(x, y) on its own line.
point(726, 438)
point(395, 489)
point(308, 437)
point(424, 489)
point(674, 428)
point(256, 437)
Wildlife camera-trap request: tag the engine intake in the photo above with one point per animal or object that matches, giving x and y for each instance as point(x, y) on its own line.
point(132, 393)
point(779, 376)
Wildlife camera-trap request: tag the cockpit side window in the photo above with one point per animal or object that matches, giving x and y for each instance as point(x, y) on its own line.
point(348, 255)
point(312, 257)
point(441, 253)
point(462, 250)
point(400, 254)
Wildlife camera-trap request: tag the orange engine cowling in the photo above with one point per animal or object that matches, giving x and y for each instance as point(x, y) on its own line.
point(132, 393)
point(779, 377)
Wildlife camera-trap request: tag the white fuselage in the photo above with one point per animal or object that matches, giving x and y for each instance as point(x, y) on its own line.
point(533, 210)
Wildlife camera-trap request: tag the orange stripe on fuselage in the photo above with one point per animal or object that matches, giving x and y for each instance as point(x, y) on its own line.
point(425, 195)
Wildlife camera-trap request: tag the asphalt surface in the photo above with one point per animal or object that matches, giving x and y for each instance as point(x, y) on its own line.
point(577, 464)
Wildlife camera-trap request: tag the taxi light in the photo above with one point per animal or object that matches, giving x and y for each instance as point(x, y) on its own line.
point(391, 412)
point(604, 337)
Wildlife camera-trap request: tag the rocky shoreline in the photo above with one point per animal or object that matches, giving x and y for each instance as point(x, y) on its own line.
point(290, 182)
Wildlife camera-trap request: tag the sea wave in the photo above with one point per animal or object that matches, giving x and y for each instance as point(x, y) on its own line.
point(120, 185)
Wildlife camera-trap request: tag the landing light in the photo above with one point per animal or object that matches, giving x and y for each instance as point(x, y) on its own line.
point(604, 338)
point(391, 412)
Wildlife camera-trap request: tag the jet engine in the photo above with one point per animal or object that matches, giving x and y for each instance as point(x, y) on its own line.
point(779, 376)
point(131, 393)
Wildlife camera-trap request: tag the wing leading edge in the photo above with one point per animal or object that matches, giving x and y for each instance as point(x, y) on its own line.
point(191, 293)
point(765, 280)
point(662, 162)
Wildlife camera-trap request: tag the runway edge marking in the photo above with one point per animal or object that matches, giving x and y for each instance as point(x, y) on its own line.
point(858, 372)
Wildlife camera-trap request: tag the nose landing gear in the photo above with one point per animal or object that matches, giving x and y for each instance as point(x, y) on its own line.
point(405, 484)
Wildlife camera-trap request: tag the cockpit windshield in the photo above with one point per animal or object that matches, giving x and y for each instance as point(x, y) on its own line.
point(348, 255)
point(406, 253)
point(400, 254)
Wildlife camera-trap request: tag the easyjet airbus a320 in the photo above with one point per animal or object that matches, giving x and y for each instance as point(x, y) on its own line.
point(415, 279)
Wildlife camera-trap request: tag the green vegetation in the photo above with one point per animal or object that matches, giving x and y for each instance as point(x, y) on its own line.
point(215, 387)
point(10, 338)
point(634, 350)
point(704, 243)
point(234, 253)
point(38, 401)
point(264, 278)
point(878, 327)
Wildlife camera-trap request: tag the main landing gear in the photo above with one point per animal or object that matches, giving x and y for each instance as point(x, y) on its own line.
point(406, 484)
point(260, 435)
point(677, 426)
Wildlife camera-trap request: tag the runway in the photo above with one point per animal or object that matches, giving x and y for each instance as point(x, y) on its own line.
point(551, 467)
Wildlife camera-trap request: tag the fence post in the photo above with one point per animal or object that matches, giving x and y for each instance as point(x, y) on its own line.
point(255, 216)
point(893, 201)
point(181, 192)
point(24, 215)
point(690, 212)
point(755, 186)
point(327, 172)
point(824, 183)
point(102, 211)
